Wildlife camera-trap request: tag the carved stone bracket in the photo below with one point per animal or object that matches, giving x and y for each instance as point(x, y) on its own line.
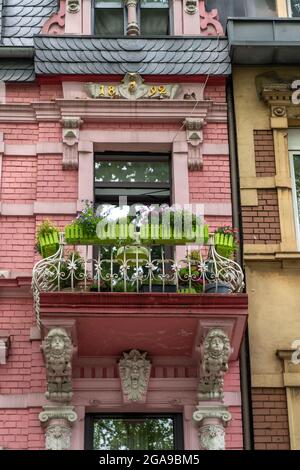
point(70, 138)
point(132, 24)
point(209, 21)
point(56, 23)
point(191, 6)
point(212, 420)
point(134, 370)
point(216, 350)
point(4, 349)
point(73, 6)
point(194, 137)
point(58, 422)
point(58, 351)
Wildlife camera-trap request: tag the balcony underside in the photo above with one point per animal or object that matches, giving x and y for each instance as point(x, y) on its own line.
point(105, 324)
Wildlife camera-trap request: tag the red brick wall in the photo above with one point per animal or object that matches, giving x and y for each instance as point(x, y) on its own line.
point(270, 419)
point(18, 179)
point(261, 223)
point(212, 183)
point(264, 153)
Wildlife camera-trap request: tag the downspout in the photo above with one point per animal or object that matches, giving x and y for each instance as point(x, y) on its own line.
point(237, 223)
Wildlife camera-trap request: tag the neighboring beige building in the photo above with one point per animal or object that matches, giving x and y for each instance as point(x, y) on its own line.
point(268, 144)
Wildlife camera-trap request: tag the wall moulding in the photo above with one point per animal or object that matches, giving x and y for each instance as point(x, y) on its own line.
point(114, 111)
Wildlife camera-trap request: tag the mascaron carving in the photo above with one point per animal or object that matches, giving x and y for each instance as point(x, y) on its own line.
point(191, 6)
point(73, 6)
point(194, 136)
point(58, 351)
point(58, 422)
point(134, 371)
point(70, 138)
point(212, 437)
point(216, 352)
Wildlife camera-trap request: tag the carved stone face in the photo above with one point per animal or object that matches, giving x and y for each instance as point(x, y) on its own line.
point(135, 372)
point(57, 344)
point(217, 345)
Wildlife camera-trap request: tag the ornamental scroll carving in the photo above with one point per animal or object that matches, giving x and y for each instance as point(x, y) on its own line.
point(70, 138)
point(216, 352)
point(73, 6)
point(56, 23)
point(58, 351)
point(134, 370)
point(209, 21)
point(212, 421)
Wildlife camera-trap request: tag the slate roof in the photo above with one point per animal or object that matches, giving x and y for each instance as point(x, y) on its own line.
point(22, 19)
point(166, 56)
point(16, 70)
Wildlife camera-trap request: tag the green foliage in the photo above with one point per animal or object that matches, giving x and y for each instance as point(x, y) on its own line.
point(43, 229)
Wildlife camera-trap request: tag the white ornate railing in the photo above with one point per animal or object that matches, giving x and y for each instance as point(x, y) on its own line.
point(136, 269)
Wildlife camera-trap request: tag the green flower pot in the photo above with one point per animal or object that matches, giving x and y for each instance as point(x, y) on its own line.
point(132, 254)
point(49, 244)
point(224, 244)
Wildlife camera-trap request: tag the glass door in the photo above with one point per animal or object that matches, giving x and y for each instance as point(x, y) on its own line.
point(134, 432)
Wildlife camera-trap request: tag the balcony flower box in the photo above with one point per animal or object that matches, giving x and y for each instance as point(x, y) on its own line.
point(133, 255)
point(224, 244)
point(154, 233)
point(48, 244)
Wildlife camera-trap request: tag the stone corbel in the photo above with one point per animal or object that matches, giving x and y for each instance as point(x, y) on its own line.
point(4, 349)
point(56, 23)
point(58, 351)
point(132, 24)
point(134, 370)
point(212, 421)
point(194, 137)
point(70, 138)
point(58, 422)
point(215, 352)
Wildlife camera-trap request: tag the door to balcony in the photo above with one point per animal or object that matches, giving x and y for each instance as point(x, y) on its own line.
point(135, 431)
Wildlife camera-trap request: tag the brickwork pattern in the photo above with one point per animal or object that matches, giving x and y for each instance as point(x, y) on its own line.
point(261, 224)
point(270, 419)
point(264, 153)
point(212, 183)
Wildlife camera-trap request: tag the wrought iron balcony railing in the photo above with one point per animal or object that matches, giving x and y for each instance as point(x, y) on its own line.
point(137, 268)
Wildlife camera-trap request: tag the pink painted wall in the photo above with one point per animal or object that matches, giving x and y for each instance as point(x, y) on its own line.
point(29, 178)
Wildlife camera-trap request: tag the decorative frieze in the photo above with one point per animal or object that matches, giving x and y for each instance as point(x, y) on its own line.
point(4, 349)
point(212, 421)
point(58, 423)
point(216, 351)
point(70, 138)
point(194, 137)
point(134, 370)
point(58, 350)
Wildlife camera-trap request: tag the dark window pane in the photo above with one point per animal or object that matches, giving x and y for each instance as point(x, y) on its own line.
point(109, 21)
point(133, 434)
point(261, 8)
point(122, 172)
point(154, 21)
point(295, 8)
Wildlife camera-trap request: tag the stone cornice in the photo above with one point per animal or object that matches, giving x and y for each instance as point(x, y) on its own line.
point(114, 110)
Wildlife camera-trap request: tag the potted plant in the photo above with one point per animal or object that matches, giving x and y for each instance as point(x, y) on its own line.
point(47, 236)
point(190, 278)
point(225, 241)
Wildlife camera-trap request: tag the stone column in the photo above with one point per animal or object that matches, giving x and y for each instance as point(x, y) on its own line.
point(132, 24)
point(212, 422)
point(58, 422)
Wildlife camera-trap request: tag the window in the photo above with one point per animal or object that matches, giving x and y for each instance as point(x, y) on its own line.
point(111, 17)
point(134, 432)
point(295, 172)
point(242, 8)
point(294, 8)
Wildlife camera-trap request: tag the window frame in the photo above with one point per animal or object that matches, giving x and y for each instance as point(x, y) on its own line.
point(289, 10)
point(296, 206)
point(125, 17)
point(177, 420)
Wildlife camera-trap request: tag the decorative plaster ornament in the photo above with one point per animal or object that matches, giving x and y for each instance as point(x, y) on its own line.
point(73, 6)
point(58, 421)
point(134, 371)
point(58, 351)
point(212, 437)
point(70, 138)
point(191, 6)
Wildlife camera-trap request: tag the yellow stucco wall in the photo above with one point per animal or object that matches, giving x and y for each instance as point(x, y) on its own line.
point(272, 271)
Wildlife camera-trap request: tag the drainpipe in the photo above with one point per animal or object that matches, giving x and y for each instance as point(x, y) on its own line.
point(237, 223)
